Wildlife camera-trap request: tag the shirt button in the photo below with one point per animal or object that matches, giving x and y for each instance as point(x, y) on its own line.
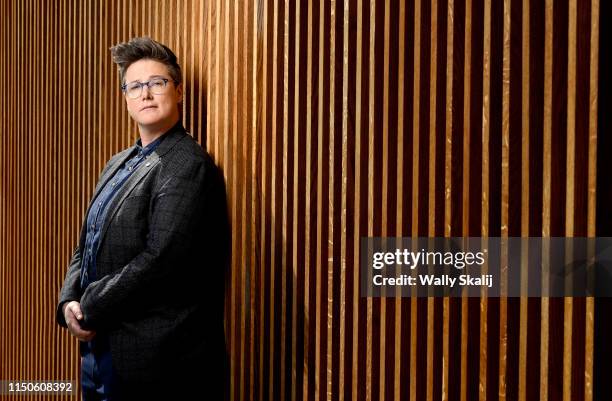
point(147, 165)
point(93, 226)
point(99, 203)
point(129, 168)
point(114, 184)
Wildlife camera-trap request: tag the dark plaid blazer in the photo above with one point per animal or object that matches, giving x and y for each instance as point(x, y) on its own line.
point(160, 267)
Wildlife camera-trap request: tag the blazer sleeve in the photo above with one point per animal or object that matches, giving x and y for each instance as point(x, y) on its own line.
point(71, 290)
point(176, 208)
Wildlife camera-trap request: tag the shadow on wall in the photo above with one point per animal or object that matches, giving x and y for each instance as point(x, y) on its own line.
point(213, 285)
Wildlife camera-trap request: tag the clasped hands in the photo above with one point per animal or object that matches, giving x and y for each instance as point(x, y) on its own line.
point(73, 315)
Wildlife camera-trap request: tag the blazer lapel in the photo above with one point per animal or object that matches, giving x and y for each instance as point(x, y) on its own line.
point(142, 171)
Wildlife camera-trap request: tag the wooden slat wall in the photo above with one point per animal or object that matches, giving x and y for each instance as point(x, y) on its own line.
point(331, 121)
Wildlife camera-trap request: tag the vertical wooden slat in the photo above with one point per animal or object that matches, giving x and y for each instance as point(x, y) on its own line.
point(216, 90)
point(51, 126)
point(63, 95)
point(397, 378)
point(224, 157)
point(370, 203)
point(202, 21)
point(273, 201)
point(59, 147)
point(209, 73)
point(314, 365)
point(48, 293)
point(252, 206)
point(467, 84)
point(33, 177)
point(59, 169)
point(448, 185)
point(433, 74)
point(19, 198)
point(239, 162)
point(246, 153)
point(3, 206)
point(239, 238)
point(592, 189)
point(522, 370)
point(416, 125)
point(16, 202)
point(28, 195)
point(189, 13)
point(546, 192)
point(569, 197)
point(484, 231)
point(344, 201)
point(505, 185)
point(308, 281)
point(385, 188)
point(262, 37)
point(285, 225)
point(319, 191)
point(12, 208)
point(296, 195)
point(333, 8)
point(356, 236)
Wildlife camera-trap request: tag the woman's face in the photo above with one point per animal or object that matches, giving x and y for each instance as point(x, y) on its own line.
point(153, 112)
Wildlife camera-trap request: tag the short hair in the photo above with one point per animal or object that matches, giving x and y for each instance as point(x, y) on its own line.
point(126, 53)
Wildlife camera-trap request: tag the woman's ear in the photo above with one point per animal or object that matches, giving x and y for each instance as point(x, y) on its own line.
point(179, 92)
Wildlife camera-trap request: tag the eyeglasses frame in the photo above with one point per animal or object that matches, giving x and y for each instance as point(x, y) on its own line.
point(146, 83)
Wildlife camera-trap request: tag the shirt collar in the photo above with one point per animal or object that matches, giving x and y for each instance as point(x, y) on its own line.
point(147, 150)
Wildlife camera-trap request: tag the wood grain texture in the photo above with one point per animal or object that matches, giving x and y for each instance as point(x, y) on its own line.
point(331, 121)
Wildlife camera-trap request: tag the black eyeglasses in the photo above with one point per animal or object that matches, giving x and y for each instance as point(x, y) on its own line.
point(157, 86)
